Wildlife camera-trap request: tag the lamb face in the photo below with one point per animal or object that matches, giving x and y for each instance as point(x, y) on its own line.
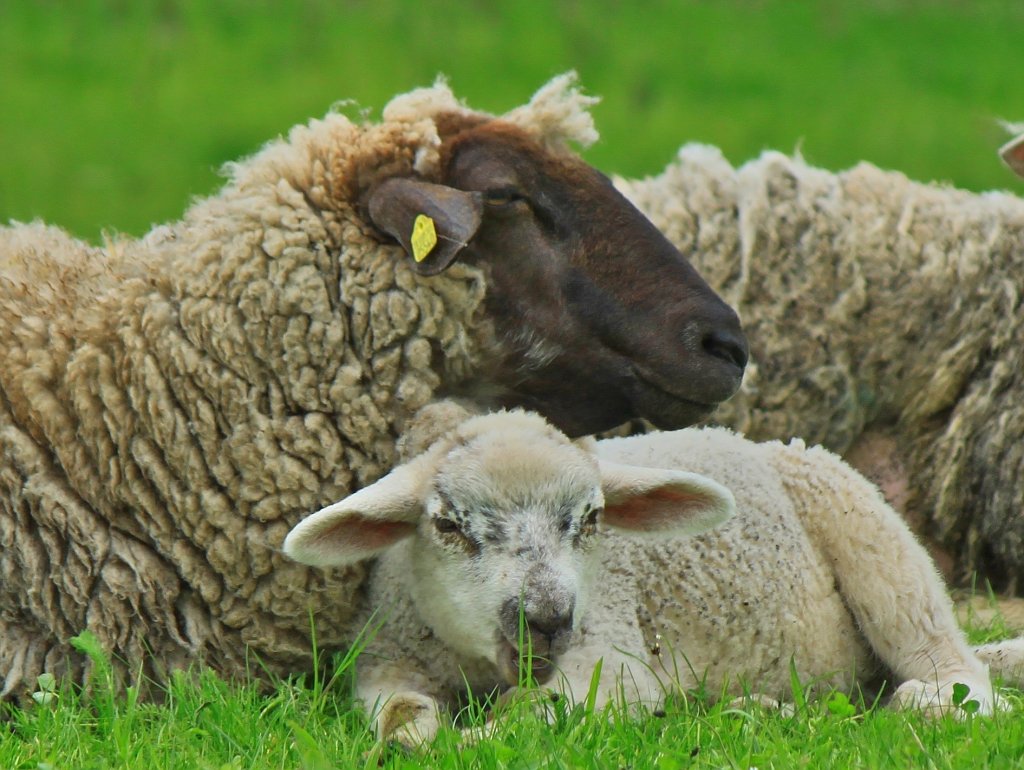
point(496, 535)
point(504, 553)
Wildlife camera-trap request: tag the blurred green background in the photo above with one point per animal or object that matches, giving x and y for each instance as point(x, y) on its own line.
point(113, 114)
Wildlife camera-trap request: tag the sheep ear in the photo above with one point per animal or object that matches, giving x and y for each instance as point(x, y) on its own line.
point(360, 526)
point(395, 205)
point(655, 500)
point(1012, 154)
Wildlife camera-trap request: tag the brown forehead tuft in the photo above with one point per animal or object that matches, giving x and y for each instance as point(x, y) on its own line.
point(451, 124)
point(458, 131)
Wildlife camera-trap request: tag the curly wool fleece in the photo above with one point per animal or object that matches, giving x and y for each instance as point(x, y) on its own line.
point(170, 407)
point(874, 305)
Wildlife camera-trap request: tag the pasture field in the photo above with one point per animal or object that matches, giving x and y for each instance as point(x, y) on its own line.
point(115, 113)
point(206, 724)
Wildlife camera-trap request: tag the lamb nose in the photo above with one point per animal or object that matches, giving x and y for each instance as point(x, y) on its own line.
point(727, 346)
point(550, 626)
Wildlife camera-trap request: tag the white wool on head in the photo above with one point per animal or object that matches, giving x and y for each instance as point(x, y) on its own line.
point(423, 103)
point(420, 106)
point(1012, 127)
point(558, 113)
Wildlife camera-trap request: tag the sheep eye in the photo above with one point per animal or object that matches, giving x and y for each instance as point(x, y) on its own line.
point(503, 196)
point(445, 526)
point(453, 536)
point(588, 525)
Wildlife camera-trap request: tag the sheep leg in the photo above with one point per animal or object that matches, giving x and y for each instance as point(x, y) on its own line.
point(887, 580)
point(622, 676)
point(538, 699)
point(397, 700)
point(612, 636)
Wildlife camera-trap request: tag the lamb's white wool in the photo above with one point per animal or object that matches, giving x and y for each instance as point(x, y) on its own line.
point(491, 539)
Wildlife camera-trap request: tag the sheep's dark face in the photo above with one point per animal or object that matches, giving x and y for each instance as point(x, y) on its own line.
point(599, 318)
point(602, 319)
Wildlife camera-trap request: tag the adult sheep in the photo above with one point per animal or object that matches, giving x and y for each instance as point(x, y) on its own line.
point(170, 406)
point(886, 322)
point(503, 542)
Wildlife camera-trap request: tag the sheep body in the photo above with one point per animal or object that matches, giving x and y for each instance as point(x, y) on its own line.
point(814, 570)
point(169, 406)
point(167, 403)
point(886, 323)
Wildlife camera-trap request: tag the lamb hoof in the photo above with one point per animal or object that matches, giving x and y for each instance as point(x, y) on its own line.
point(408, 719)
point(937, 699)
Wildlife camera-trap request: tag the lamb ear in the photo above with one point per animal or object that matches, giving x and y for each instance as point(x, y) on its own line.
point(656, 500)
point(1012, 154)
point(395, 204)
point(361, 525)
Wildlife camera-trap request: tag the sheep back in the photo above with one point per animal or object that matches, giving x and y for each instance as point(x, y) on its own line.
point(732, 598)
point(872, 303)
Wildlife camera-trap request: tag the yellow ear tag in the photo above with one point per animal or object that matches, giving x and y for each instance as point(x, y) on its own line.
point(424, 237)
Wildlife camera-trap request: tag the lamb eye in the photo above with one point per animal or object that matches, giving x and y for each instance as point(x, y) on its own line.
point(445, 525)
point(588, 525)
point(451, 535)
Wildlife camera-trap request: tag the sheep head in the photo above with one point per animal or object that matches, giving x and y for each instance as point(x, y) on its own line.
point(500, 524)
point(599, 318)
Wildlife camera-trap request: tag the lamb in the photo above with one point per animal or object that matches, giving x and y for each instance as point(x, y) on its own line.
point(886, 322)
point(491, 545)
point(170, 406)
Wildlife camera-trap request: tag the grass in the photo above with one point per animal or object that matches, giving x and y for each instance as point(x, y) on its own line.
point(117, 112)
point(205, 723)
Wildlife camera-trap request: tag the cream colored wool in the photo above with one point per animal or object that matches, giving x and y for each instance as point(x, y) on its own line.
point(169, 407)
point(875, 307)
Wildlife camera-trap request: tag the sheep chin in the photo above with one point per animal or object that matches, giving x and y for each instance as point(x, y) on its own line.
point(665, 409)
point(509, 661)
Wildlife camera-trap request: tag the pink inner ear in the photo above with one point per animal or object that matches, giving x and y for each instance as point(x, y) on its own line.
point(361, 534)
point(653, 509)
point(1013, 154)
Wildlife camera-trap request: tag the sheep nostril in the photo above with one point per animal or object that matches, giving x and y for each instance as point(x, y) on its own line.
point(551, 626)
point(726, 346)
point(544, 624)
